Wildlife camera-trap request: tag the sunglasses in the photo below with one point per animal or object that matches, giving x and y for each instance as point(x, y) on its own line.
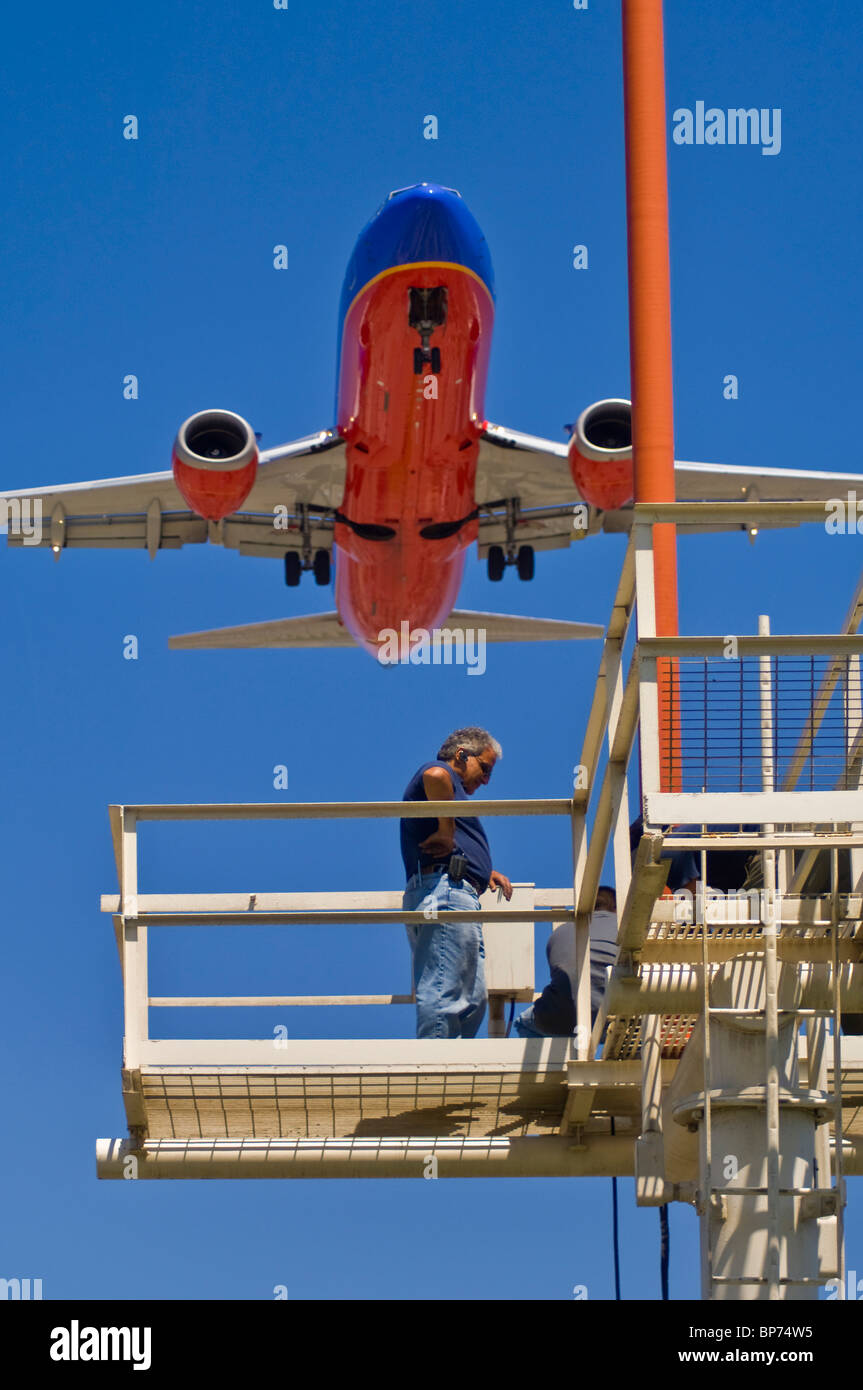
point(487, 768)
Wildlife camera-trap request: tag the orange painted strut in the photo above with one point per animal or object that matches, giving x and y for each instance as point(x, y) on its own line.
point(650, 330)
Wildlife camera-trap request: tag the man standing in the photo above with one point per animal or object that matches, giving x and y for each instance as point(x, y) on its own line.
point(448, 867)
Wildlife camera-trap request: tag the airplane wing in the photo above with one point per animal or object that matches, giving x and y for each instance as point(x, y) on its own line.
point(524, 492)
point(327, 630)
point(535, 472)
point(147, 511)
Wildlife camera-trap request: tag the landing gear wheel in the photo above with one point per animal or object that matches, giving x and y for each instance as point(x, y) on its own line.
point(321, 566)
point(419, 361)
point(496, 563)
point(293, 569)
point(524, 562)
point(435, 360)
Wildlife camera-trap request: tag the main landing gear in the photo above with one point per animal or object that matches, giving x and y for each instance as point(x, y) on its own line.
point(296, 561)
point(523, 559)
point(522, 556)
point(320, 567)
point(293, 567)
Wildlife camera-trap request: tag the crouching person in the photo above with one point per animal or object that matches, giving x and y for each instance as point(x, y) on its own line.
point(448, 867)
point(553, 1013)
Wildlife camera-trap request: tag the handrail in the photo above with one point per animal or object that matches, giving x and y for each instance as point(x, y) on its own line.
point(616, 631)
point(344, 810)
point(384, 917)
point(266, 1001)
point(252, 903)
point(813, 644)
point(613, 716)
point(134, 914)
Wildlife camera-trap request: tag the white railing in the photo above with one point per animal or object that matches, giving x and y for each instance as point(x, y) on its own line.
point(789, 805)
point(623, 701)
point(508, 928)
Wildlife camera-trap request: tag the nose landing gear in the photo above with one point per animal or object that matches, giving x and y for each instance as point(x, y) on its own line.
point(422, 358)
point(427, 310)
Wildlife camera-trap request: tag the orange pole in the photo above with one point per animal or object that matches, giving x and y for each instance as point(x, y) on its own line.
point(650, 329)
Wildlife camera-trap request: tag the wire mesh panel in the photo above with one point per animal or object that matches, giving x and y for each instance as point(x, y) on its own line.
point(716, 704)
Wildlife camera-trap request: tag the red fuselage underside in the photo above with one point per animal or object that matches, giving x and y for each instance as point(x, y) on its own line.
point(411, 457)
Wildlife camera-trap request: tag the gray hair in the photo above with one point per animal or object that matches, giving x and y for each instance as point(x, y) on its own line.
point(472, 740)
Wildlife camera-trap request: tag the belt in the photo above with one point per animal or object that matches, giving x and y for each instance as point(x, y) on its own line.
point(442, 865)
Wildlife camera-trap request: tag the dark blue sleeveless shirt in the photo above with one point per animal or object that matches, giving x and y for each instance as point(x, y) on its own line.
point(470, 838)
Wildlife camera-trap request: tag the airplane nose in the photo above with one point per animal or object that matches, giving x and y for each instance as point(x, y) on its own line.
point(424, 224)
point(428, 222)
point(415, 187)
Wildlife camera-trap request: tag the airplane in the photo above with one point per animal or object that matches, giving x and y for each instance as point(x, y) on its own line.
point(410, 474)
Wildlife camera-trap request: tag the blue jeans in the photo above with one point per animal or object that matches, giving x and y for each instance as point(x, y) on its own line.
point(524, 1026)
point(557, 1009)
point(449, 974)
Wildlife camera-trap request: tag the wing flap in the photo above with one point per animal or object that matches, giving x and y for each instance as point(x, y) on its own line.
point(118, 533)
point(545, 528)
point(262, 536)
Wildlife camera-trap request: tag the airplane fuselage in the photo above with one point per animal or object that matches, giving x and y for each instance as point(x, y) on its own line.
point(414, 337)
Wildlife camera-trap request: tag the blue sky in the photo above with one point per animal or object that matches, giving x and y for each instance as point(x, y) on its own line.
point(154, 257)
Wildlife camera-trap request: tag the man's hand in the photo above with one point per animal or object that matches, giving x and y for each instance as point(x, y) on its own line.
point(502, 882)
point(439, 843)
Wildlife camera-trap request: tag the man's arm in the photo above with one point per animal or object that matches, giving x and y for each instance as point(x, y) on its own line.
point(437, 785)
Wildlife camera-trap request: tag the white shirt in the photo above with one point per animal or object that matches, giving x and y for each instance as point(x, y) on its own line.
point(560, 951)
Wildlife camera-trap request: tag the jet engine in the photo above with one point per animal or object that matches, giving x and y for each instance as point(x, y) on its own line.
point(215, 461)
point(600, 454)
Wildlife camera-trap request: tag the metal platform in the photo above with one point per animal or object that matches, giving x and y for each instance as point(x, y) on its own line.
point(343, 1089)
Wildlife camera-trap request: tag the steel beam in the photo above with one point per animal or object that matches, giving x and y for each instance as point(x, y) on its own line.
point(595, 1155)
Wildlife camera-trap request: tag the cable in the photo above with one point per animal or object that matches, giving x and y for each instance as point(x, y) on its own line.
point(664, 1249)
point(615, 1233)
